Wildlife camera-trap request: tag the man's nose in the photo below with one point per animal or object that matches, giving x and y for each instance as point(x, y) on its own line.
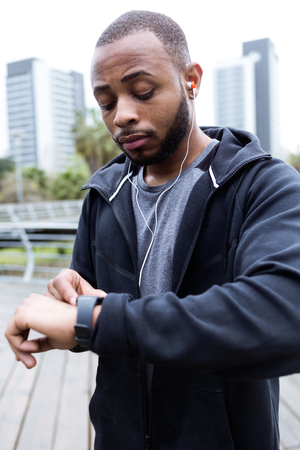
point(126, 113)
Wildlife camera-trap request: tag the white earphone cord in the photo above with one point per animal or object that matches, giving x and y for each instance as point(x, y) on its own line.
point(156, 205)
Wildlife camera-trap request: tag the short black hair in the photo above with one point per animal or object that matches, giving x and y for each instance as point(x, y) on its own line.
point(164, 28)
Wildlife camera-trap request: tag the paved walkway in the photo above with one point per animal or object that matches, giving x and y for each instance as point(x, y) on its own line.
point(47, 407)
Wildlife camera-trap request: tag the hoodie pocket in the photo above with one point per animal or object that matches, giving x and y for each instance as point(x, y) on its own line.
point(190, 419)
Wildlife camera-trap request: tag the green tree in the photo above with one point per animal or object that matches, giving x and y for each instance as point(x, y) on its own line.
point(6, 165)
point(93, 141)
point(36, 175)
point(67, 185)
point(294, 160)
point(32, 192)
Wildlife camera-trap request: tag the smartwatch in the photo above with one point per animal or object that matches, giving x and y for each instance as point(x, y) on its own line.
point(83, 327)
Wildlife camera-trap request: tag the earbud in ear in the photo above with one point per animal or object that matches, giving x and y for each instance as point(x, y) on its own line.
point(192, 87)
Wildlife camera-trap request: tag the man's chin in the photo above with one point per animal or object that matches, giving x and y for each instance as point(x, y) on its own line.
point(150, 160)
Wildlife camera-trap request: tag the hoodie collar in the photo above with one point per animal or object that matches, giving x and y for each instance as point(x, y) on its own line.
point(236, 148)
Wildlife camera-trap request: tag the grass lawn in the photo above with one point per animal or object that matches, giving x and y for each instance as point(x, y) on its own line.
point(43, 255)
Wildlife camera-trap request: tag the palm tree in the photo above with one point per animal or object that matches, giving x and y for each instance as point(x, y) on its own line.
point(93, 141)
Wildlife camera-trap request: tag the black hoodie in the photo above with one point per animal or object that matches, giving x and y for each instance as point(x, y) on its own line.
point(229, 327)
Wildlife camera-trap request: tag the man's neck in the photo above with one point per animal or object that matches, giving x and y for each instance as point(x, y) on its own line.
point(158, 174)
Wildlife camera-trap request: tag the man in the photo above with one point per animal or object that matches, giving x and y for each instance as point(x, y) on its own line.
point(191, 240)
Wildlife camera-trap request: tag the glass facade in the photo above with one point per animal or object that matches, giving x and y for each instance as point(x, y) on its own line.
point(21, 118)
point(41, 105)
point(267, 93)
point(230, 92)
point(234, 94)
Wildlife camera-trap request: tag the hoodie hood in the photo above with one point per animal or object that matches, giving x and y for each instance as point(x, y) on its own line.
point(236, 148)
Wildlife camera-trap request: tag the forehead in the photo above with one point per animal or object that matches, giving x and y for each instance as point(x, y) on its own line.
point(140, 51)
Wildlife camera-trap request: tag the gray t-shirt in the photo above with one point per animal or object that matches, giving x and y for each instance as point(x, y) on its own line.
point(158, 212)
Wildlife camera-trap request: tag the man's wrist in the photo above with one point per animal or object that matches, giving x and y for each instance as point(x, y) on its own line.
point(86, 317)
point(96, 312)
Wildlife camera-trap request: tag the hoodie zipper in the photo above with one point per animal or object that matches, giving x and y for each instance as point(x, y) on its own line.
point(258, 158)
point(147, 407)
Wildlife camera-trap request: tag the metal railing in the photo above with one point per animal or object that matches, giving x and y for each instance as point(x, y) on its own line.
point(36, 239)
point(25, 212)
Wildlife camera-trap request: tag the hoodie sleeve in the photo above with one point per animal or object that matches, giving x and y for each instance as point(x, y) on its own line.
point(248, 328)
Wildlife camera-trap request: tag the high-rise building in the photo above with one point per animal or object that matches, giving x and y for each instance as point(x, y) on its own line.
point(234, 85)
point(41, 105)
point(267, 93)
point(247, 93)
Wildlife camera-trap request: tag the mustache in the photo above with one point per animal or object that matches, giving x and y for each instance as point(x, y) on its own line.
point(130, 131)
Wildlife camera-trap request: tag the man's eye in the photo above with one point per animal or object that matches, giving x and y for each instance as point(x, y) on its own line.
point(145, 96)
point(107, 107)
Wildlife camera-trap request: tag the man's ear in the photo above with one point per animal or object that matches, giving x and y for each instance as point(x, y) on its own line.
point(193, 75)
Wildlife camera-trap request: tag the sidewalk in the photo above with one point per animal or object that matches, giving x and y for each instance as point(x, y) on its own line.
point(45, 407)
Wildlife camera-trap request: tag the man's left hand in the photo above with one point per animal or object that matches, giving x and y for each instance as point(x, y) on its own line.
point(55, 320)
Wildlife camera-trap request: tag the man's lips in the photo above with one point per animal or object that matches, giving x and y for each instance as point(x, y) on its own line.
point(133, 141)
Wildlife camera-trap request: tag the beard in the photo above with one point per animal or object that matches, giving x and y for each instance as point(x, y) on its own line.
point(174, 136)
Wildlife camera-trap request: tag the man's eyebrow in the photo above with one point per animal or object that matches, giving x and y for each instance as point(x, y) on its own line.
point(104, 87)
point(131, 76)
point(139, 73)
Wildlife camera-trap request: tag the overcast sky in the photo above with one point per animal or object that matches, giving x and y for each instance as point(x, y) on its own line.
point(63, 33)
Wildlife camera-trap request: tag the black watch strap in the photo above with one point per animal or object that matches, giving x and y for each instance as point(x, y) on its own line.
point(83, 327)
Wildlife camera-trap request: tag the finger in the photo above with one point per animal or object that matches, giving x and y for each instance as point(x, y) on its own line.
point(52, 292)
point(14, 335)
point(19, 354)
point(38, 345)
point(85, 288)
point(100, 293)
point(27, 359)
point(31, 346)
point(66, 283)
point(69, 284)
